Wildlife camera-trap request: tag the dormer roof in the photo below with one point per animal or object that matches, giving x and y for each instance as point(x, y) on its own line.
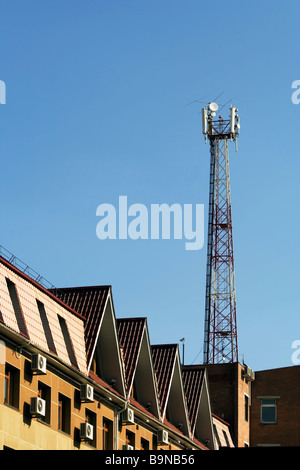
point(140, 378)
point(95, 304)
point(195, 385)
point(173, 404)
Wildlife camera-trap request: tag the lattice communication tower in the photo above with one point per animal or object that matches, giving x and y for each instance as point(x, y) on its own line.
point(220, 329)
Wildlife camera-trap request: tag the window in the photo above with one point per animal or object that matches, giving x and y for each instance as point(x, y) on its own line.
point(44, 392)
point(17, 307)
point(226, 438)
point(68, 342)
point(154, 441)
point(107, 435)
point(90, 417)
point(130, 438)
point(46, 326)
point(217, 435)
point(11, 386)
point(246, 408)
point(64, 413)
point(144, 444)
point(268, 410)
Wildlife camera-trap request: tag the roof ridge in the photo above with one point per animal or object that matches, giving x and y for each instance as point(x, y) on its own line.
point(98, 286)
point(131, 319)
point(165, 345)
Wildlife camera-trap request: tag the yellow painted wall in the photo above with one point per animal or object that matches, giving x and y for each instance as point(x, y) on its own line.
point(21, 433)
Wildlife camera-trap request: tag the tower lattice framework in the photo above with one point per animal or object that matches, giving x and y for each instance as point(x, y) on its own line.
point(220, 331)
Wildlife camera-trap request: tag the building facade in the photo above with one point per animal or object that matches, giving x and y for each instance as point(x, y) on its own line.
point(230, 393)
point(275, 408)
point(73, 376)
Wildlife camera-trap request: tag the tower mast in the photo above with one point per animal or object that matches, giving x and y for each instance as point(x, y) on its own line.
point(220, 329)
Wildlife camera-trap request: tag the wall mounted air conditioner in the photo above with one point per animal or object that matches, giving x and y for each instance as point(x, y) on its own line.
point(127, 447)
point(37, 406)
point(38, 364)
point(162, 437)
point(86, 431)
point(128, 416)
point(86, 393)
point(248, 373)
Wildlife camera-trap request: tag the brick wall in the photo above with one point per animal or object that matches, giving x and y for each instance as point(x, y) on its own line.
point(227, 391)
point(284, 384)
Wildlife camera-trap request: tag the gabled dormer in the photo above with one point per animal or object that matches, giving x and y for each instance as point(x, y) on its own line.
point(140, 378)
point(195, 385)
point(173, 405)
point(101, 339)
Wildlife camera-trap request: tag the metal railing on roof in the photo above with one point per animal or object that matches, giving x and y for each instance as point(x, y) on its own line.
point(12, 259)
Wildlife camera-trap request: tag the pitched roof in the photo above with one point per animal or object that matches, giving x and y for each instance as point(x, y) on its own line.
point(101, 338)
point(196, 389)
point(35, 283)
point(65, 325)
point(163, 362)
point(90, 302)
point(222, 431)
point(130, 333)
point(192, 383)
point(167, 365)
point(138, 364)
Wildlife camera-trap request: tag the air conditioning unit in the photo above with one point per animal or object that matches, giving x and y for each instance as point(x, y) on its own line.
point(86, 431)
point(37, 406)
point(128, 447)
point(248, 373)
point(128, 416)
point(39, 364)
point(162, 437)
point(86, 393)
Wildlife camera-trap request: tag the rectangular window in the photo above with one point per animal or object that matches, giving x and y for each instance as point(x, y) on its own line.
point(268, 411)
point(64, 413)
point(130, 438)
point(90, 417)
point(44, 392)
point(46, 326)
point(107, 436)
point(17, 307)
point(68, 342)
point(11, 386)
point(217, 435)
point(154, 441)
point(226, 438)
point(246, 408)
point(144, 444)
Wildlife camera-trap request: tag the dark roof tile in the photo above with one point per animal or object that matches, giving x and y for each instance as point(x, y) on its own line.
point(130, 331)
point(90, 302)
point(192, 378)
point(163, 363)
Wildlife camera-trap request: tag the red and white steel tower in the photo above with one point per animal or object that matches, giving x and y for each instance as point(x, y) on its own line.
point(220, 331)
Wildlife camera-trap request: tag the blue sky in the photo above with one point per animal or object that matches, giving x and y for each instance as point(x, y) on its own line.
point(96, 96)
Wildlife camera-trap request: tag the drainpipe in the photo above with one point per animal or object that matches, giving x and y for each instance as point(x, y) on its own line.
point(117, 414)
